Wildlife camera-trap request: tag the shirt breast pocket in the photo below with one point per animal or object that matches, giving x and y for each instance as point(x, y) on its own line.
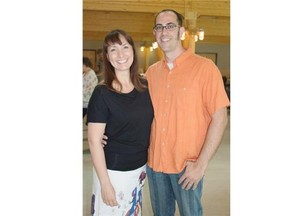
point(184, 97)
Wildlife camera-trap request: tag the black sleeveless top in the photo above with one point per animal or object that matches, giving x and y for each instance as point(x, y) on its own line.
point(128, 119)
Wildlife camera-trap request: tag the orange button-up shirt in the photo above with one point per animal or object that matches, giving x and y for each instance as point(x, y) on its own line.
point(184, 99)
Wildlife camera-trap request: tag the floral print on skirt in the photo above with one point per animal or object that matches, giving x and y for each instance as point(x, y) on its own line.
point(128, 186)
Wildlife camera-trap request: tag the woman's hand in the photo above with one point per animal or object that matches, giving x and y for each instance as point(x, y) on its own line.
point(109, 195)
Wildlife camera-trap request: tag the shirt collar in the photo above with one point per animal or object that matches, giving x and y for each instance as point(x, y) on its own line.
point(181, 58)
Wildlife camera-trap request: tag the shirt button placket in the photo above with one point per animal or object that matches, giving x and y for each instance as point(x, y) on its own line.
point(165, 116)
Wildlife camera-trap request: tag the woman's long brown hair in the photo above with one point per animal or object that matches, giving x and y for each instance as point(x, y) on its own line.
point(109, 71)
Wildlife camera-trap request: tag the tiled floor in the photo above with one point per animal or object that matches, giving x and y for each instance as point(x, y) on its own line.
point(216, 192)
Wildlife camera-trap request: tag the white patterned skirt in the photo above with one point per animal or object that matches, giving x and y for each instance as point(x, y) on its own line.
point(128, 186)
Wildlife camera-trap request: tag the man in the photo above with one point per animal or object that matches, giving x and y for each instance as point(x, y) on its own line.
point(190, 117)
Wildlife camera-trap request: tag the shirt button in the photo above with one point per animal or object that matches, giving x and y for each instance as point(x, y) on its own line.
point(184, 89)
point(168, 86)
point(163, 129)
point(166, 101)
point(163, 143)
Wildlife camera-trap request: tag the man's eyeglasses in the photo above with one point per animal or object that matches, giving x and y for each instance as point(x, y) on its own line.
point(168, 27)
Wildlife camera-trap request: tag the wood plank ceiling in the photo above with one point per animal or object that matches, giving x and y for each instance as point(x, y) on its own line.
point(137, 17)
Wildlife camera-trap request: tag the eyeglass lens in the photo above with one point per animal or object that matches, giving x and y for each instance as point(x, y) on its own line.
point(168, 27)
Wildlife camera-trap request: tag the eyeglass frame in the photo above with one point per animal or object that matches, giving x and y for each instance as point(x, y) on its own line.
point(162, 27)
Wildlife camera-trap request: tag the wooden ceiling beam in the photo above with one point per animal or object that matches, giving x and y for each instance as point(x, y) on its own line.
point(203, 8)
point(137, 17)
point(214, 26)
point(106, 21)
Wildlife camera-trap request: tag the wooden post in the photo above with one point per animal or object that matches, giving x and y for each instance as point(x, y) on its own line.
point(159, 54)
point(185, 42)
point(191, 23)
point(146, 58)
point(192, 42)
point(189, 42)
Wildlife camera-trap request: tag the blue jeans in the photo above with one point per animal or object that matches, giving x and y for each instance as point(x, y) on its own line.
point(164, 190)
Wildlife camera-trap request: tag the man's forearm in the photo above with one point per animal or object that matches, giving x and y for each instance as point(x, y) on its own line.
point(214, 136)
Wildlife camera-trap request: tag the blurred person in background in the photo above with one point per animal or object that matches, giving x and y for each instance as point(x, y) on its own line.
point(90, 81)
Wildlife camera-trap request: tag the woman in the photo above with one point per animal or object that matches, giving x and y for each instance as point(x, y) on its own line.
point(121, 108)
point(90, 80)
